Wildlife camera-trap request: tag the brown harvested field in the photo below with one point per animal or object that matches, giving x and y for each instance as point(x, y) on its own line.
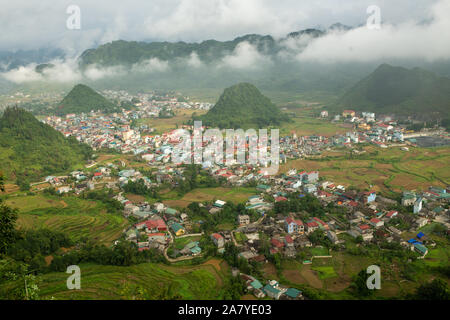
point(294, 276)
point(216, 263)
point(135, 198)
point(311, 277)
point(176, 203)
point(11, 188)
point(104, 157)
point(270, 272)
point(40, 187)
point(248, 297)
point(337, 284)
point(386, 170)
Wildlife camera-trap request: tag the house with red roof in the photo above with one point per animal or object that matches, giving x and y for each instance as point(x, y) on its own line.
point(392, 214)
point(289, 241)
point(152, 226)
point(277, 243)
point(218, 240)
point(376, 222)
point(294, 226)
point(97, 175)
point(311, 226)
point(364, 228)
point(323, 194)
point(321, 223)
point(369, 196)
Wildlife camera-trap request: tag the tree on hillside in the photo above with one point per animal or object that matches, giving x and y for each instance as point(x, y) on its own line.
point(434, 290)
point(8, 217)
point(360, 284)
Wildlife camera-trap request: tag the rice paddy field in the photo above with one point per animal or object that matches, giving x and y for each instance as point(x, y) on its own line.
point(387, 170)
point(164, 125)
point(145, 281)
point(77, 217)
point(236, 195)
point(306, 126)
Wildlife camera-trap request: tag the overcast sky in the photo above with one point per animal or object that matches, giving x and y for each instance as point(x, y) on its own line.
point(32, 24)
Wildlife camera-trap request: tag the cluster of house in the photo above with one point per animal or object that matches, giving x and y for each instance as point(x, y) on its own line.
point(158, 224)
point(369, 129)
point(366, 216)
point(272, 289)
point(114, 130)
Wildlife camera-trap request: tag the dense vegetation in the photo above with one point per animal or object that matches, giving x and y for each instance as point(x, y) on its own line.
point(194, 177)
point(401, 91)
point(107, 198)
point(83, 99)
point(243, 106)
point(30, 149)
point(138, 187)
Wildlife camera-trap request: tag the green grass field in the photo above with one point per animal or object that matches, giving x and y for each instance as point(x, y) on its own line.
point(156, 281)
point(240, 237)
point(180, 243)
point(319, 251)
point(325, 272)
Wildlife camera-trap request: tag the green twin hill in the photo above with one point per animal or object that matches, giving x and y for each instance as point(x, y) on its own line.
point(30, 149)
point(243, 106)
point(399, 90)
point(84, 99)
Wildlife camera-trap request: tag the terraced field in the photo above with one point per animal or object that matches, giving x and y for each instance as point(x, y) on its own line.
point(153, 281)
point(76, 217)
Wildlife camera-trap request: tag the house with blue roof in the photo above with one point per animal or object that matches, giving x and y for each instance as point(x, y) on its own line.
point(272, 291)
point(256, 284)
point(293, 293)
point(421, 249)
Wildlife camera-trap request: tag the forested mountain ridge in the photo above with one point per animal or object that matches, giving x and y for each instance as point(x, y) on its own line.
point(30, 149)
point(84, 99)
point(243, 106)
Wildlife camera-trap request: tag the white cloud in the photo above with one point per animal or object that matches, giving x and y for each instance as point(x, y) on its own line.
point(194, 61)
point(151, 65)
point(62, 71)
point(198, 19)
point(95, 72)
point(245, 56)
point(408, 40)
point(67, 71)
point(34, 24)
point(23, 74)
